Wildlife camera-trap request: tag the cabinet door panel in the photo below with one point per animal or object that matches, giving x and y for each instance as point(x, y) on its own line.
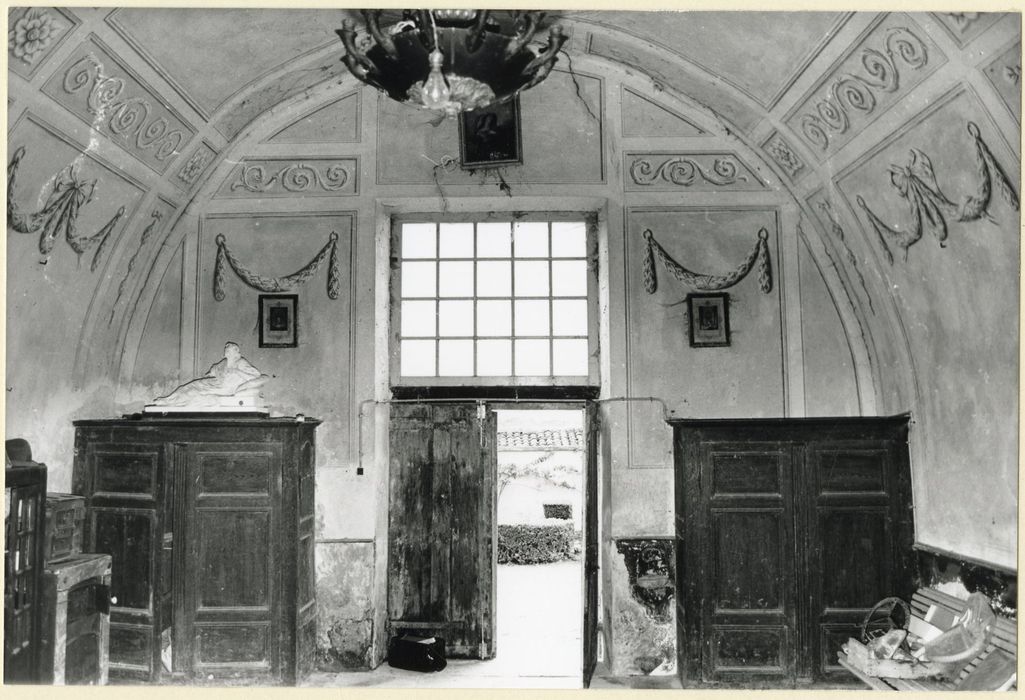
point(747, 576)
point(235, 555)
point(233, 603)
point(127, 535)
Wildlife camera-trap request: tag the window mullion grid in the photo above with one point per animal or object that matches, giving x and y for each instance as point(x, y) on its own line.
point(512, 298)
point(476, 364)
point(437, 299)
point(551, 309)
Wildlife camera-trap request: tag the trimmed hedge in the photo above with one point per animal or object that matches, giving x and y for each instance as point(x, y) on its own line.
point(560, 511)
point(536, 544)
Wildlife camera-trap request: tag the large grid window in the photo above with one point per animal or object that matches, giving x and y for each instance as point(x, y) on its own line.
point(493, 299)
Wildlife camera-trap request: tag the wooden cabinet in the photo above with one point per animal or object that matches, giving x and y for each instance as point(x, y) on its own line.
point(210, 523)
point(76, 620)
point(788, 532)
point(24, 521)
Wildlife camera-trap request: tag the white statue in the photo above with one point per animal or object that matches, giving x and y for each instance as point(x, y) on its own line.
point(230, 382)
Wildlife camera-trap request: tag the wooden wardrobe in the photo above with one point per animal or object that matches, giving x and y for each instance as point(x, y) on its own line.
point(788, 532)
point(210, 523)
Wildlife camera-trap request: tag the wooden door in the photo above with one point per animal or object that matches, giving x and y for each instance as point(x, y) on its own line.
point(590, 544)
point(441, 547)
point(233, 572)
point(741, 585)
point(124, 483)
point(859, 536)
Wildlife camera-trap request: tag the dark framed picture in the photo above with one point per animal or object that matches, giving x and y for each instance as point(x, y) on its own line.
point(278, 320)
point(490, 137)
point(709, 320)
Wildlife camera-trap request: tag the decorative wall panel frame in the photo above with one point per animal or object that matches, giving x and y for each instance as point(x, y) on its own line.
point(894, 55)
point(629, 264)
point(155, 147)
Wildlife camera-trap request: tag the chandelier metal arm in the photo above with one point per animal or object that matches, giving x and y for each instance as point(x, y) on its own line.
point(355, 60)
point(373, 20)
point(525, 33)
point(475, 37)
point(545, 60)
point(425, 27)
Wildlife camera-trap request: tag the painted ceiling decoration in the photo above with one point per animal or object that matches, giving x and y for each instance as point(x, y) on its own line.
point(58, 214)
point(452, 60)
point(277, 284)
point(708, 283)
point(929, 207)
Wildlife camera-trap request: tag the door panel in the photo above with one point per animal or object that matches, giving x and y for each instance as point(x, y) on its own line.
point(126, 485)
point(590, 628)
point(747, 579)
point(854, 564)
point(232, 608)
point(441, 568)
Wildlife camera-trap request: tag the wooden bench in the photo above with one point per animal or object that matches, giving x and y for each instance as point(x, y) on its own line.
point(991, 669)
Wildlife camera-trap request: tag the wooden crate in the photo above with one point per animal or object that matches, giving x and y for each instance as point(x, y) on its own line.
point(65, 514)
point(76, 620)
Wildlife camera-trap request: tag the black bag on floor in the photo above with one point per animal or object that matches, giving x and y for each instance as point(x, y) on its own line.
point(417, 653)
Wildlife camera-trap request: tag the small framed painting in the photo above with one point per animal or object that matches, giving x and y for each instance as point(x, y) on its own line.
point(490, 136)
point(709, 320)
point(278, 320)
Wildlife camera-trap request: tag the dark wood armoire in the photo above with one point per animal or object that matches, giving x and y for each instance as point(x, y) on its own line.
point(788, 532)
point(210, 523)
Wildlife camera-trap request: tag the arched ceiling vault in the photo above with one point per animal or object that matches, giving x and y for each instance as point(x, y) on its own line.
point(746, 73)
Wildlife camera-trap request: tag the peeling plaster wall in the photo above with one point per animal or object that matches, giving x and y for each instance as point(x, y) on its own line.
point(841, 332)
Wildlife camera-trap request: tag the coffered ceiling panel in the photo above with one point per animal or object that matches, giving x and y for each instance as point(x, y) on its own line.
point(758, 52)
point(212, 54)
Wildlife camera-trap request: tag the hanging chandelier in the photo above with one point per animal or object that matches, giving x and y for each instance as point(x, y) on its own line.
point(451, 60)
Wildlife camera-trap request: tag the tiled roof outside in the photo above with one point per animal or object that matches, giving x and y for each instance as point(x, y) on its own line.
point(571, 439)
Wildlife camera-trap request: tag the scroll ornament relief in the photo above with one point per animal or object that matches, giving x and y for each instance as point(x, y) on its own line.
point(296, 177)
point(124, 116)
point(226, 258)
point(703, 282)
point(59, 214)
point(684, 172)
point(850, 93)
point(32, 34)
point(929, 207)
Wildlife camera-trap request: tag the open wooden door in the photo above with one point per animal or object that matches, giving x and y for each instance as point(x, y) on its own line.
point(441, 515)
point(590, 543)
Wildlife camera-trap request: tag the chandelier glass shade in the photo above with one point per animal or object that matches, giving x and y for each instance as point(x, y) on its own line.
point(451, 60)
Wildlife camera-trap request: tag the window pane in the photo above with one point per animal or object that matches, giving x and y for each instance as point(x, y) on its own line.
point(494, 317)
point(417, 358)
point(569, 278)
point(569, 317)
point(418, 279)
point(455, 318)
point(569, 357)
point(531, 358)
point(494, 358)
point(494, 240)
point(418, 319)
point(532, 317)
point(531, 278)
point(530, 239)
point(456, 241)
point(455, 358)
point(569, 239)
point(494, 279)
point(455, 279)
point(418, 240)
